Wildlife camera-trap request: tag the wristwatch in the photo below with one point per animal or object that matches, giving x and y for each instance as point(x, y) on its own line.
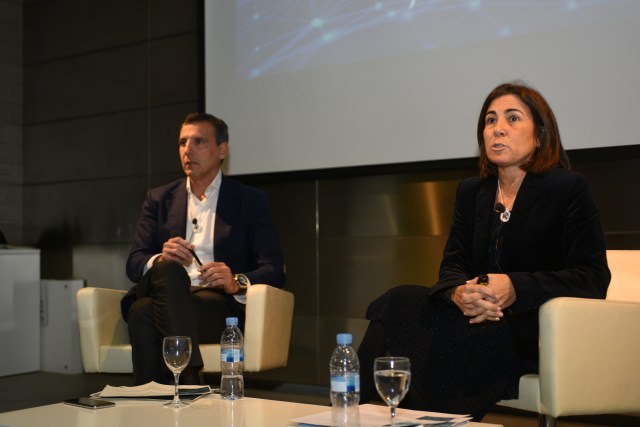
point(243, 283)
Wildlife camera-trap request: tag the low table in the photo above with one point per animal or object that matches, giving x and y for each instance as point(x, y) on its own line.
point(210, 411)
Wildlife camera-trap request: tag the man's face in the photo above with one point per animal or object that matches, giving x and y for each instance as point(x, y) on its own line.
point(199, 154)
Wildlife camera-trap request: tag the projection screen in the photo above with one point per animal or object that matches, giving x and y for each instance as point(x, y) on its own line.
point(328, 84)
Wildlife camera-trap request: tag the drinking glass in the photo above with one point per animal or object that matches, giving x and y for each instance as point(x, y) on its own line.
point(177, 353)
point(392, 376)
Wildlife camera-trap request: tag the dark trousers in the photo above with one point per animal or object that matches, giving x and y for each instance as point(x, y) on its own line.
point(455, 367)
point(166, 304)
point(371, 347)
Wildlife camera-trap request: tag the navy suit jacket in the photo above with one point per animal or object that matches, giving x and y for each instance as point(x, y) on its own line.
point(244, 235)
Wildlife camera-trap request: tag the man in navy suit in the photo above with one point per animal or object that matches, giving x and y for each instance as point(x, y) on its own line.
point(200, 242)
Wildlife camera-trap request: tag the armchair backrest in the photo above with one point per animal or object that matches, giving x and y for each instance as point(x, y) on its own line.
point(625, 275)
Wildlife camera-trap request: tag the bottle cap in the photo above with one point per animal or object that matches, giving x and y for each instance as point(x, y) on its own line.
point(344, 339)
point(232, 321)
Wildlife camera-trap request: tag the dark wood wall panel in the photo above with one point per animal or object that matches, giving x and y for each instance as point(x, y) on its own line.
point(11, 132)
point(106, 86)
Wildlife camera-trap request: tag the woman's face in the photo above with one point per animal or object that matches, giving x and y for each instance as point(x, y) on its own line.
point(509, 137)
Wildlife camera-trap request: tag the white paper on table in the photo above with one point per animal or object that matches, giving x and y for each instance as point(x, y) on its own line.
point(153, 390)
point(377, 415)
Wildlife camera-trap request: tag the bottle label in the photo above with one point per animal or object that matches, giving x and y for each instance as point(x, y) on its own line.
point(231, 355)
point(346, 383)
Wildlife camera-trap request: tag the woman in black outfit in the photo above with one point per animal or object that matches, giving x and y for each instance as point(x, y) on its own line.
point(528, 227)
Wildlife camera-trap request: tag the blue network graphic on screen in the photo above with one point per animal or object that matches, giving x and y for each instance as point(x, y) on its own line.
point(279, 36)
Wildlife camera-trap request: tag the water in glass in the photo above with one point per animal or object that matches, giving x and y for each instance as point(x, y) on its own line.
point(392, 376)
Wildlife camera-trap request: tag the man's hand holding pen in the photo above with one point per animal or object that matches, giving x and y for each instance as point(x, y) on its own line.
point(212, 274)
point(218, 275)
point(177, 249)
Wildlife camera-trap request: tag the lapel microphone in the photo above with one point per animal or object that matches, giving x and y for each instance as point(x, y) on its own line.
point(194, 221)
point(499, 207)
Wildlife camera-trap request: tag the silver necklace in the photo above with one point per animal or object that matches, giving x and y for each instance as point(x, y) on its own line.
point(506, 215)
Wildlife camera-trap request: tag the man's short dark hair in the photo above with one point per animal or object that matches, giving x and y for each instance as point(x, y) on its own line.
point(221, 129)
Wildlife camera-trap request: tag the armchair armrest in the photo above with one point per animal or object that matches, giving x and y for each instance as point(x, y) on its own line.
point(100, 323)
point(269, 314)
point(104, 338)
point(588, 356)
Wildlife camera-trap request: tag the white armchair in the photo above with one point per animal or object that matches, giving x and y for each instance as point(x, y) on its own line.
point(588, 351)
point(104, 339)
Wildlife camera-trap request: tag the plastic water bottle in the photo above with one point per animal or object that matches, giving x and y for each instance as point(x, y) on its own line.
point(345, 373)
point(232, 361)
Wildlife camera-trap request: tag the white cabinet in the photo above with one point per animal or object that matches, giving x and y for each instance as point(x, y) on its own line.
point(60, 335)
point(19, 310)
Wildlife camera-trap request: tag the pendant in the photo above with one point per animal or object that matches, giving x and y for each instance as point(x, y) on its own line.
point(505, 216)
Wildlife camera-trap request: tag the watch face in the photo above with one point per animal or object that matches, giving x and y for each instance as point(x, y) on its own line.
point(242, 279)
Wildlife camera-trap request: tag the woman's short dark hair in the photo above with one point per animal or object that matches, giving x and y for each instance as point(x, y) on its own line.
point(549, 152)
point(219, 126)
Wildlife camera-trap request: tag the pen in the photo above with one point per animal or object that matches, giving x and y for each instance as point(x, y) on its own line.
point(209, 393)
point(195, 257)
point(194, 221)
